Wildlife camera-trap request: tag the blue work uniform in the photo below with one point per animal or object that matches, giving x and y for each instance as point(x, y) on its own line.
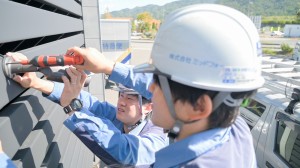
point(98, 128)
point(218, 147)
point(5, 161)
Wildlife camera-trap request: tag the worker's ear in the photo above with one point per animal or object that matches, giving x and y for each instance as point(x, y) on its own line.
point(202, 108)
point(147, 108)
point(151, 87)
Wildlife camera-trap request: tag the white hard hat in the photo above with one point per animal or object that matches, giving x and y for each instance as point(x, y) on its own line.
point(121, 88)
point(208, 46)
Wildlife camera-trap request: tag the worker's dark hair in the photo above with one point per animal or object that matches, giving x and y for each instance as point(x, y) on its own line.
point(144, 100)
point(223, 116)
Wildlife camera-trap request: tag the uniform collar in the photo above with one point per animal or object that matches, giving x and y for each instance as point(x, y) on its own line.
point(191, 147)
point(136, 131)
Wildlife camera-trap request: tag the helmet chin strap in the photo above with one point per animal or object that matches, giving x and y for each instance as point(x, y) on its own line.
point(174, 132)
point(131, 127)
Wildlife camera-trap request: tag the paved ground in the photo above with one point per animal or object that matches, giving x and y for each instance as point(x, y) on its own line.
point(279, 40)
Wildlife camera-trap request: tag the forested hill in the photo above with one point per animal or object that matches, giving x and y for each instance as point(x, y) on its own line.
point(249, 7)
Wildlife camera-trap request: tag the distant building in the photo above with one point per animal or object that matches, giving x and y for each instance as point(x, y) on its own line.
point(115, 38)
point(292, 30)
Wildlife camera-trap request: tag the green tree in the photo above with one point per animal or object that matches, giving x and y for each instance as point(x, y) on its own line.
point(133, 26)
point(154, 27)
point(107, 14)
point(298, 15)
point(144, 20)
point(145, 17)
point(147, 26)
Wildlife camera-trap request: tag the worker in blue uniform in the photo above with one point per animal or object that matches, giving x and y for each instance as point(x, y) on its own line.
point(119, 136)
point(205, 60)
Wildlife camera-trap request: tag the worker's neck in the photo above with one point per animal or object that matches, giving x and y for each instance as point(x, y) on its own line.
point(193, 128)
point(128, 128)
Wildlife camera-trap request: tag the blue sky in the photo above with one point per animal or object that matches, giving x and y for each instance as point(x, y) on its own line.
point(114, 5)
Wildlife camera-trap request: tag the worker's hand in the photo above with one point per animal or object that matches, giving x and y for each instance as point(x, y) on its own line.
point(27, 80)
point(94, 61)
point(73, 86)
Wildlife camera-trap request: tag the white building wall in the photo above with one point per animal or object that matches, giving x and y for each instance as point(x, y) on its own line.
point(292, 30)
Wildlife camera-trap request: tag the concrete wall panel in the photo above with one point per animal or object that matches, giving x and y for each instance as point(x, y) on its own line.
point(68, 5)
point(30, 22)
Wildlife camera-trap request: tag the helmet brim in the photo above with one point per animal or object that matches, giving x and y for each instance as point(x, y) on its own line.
point(123, 89)
point(145, 68)
point(150, 68)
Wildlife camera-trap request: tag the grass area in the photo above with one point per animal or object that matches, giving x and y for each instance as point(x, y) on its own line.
point(269, 51)
point(277, 49)
point(279, 20)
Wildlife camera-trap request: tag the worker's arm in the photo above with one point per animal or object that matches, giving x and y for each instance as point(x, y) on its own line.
point(5, 161)
point(140, 82)
point(111, 145)
point(100, 131)
point(91, 103)
point(96, 62)
point(29, 79)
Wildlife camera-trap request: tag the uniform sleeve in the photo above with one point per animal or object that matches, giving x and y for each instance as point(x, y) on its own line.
point(91, 103)
point(110, 144)
point(5, 161)
point(140, 82)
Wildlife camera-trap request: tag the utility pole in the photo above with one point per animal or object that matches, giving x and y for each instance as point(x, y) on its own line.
point(163, 13)
point(249, 7)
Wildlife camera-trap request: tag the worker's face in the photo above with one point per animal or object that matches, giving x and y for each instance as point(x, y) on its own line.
point(128, 109)
point(160, 115)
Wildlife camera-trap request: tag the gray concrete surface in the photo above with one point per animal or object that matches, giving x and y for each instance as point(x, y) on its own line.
point(279, 40)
